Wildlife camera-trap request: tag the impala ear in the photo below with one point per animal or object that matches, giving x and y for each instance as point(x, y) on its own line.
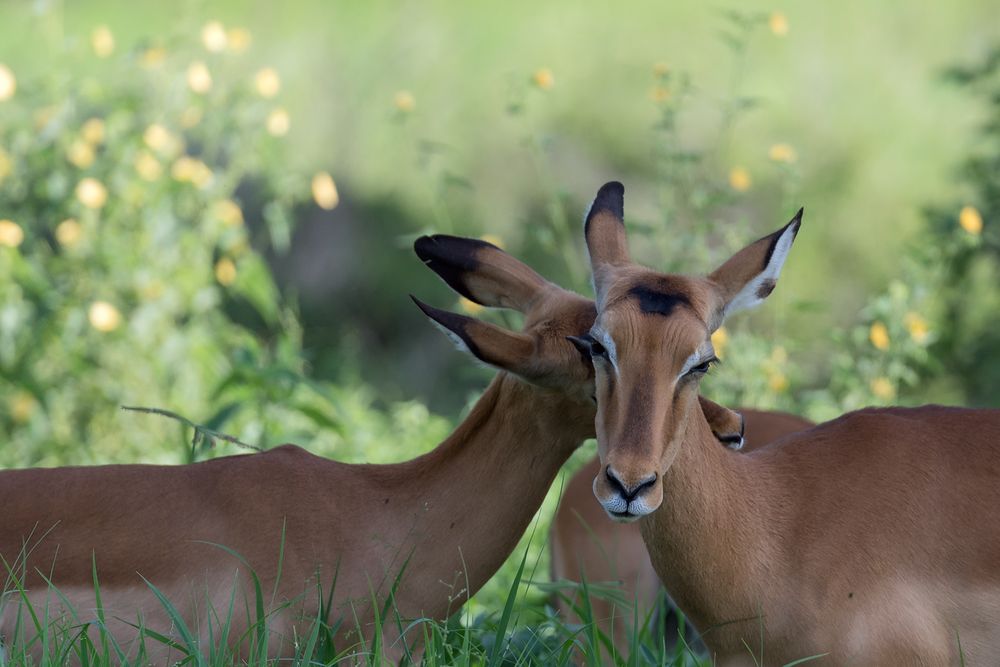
point(750, 275)
point(480, 271)
point(604, 230)
point(489, 343)
point(727, 425)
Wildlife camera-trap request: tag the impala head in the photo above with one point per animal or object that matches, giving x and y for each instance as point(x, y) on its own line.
point(540, 353)
point(651, 346)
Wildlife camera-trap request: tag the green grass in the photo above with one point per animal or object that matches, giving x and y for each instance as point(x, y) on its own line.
point(57, 632)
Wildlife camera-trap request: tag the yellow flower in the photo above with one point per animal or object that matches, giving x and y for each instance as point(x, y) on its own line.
point(91, 193)
point(228, 212)
point(777, 382)
point(159, 138)
point(739, 179)
point(917, 326)
point(151, 291)
point(192, 170)
point(879, 336)
point(970, 220)
point(80, 154)
point(324, 191)
point(239, 39)
point(199, 79)
point(720, 339)
point(659, 94)
point(68, 232)
point(153, 57)
point(494, 239)
point(103, 316)
point(778, 23)
point(22, 406)
point(883, 388)
point(11, 234)
point(93, 131)
point(102, 41)
point(8, 84)
point(404, 101)
point(782, 153)
point(6, 166)
point(267, 82)
point(470, 307)
point(147, 166)
point(214, 37)
point(225, 271)
point(661, 69)
point(543, 78)
point(278, 122)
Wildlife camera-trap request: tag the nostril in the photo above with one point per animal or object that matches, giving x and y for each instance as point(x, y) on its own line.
point(616, 483)
point(629, 493)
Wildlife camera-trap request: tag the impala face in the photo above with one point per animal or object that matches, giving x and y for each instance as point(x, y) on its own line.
point(651, 345)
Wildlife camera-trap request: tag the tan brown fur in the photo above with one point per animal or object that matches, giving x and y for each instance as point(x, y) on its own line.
point(870, 539)
point(585, 544)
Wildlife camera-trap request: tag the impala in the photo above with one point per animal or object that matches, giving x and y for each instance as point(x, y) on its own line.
point(311, 527)
point(585, 545)
point(872, 539)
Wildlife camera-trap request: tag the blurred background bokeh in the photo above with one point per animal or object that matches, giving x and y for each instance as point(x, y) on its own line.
point(209, 207)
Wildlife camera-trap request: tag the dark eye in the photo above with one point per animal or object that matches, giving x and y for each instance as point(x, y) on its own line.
point(703, 367)
point(596, 349)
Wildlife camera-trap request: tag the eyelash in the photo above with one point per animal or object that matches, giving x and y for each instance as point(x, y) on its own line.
point(703, 367)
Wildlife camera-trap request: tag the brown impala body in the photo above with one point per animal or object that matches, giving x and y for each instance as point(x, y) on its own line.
point(871, 539)
point(585, 545)
point(451, 516)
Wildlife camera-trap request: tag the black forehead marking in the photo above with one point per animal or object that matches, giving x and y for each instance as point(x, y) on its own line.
point(655, 302)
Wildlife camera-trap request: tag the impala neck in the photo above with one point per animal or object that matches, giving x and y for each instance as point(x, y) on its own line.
point(710, 541)
point(472, 497)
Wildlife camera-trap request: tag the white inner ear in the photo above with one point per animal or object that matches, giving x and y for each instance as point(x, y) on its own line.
point(452, 336)
point(749, 296)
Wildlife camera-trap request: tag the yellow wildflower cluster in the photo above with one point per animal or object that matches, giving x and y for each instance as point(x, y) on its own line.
point(11, 234)
point(778, 23)
point(404, 101)
point(8, 83)
point(267, 82)
point(225, 271)
point(22, 406)
point(91, 193)
point(782, 153)
point(187, 169)
point(324, 191)
point(917, 326)
point(216, 38)
point(228, 212)
point(68, 232)
point(739, 179)
point(971, 220)
point(278, 122)
point(878, 334)
point(199, 79)
point(543, 78)
point(103, 316)
point(147, 166)
point(720, 339)
point(882, 388)
point(102, 41)
point(161, 140)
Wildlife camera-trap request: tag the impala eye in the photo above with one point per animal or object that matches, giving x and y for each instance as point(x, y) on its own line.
point(703, 367)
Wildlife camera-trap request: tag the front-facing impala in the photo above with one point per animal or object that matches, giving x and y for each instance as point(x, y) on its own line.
point(870, 540)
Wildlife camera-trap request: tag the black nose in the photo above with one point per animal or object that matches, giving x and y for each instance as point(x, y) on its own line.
point(628, 493)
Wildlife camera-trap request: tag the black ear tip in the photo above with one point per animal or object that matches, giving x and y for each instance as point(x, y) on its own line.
point(797, 220)
point(422, 247)
point(610, 198)
point(427, 310)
